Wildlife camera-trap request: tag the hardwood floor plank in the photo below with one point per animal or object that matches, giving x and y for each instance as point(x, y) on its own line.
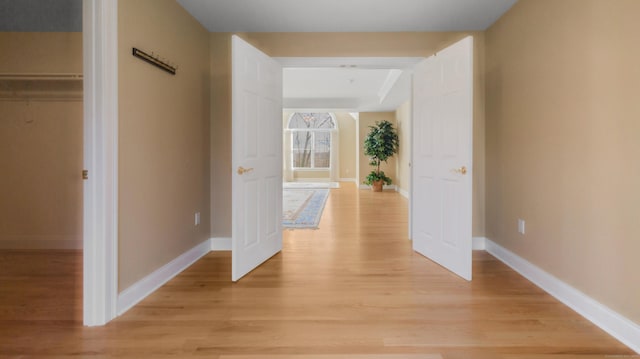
point(336, 356)
point(351, 289)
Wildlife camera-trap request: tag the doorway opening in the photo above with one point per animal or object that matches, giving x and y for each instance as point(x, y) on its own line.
point(358, 92)
point(41, 156)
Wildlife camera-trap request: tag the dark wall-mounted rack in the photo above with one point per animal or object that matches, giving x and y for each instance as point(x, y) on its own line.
point(153, 60)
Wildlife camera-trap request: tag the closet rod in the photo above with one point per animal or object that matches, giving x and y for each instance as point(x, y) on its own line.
point(40, 76)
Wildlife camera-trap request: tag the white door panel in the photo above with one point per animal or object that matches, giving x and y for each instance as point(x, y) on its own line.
point(442, 154)
point(256, 134)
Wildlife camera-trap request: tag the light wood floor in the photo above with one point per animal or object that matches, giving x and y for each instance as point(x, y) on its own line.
point(352, 289)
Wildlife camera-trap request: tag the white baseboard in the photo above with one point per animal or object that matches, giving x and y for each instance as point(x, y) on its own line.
point(147, 285)
point(221, 244)
point(478, 243)
point(404, 193)
point(41, 242)
point(305, 179)
point(608, 320)
point(348, 180)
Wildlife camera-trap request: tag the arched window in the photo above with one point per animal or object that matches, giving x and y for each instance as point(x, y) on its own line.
point(311, 139)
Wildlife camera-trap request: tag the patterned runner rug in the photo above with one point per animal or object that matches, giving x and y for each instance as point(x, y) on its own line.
point(302, 208)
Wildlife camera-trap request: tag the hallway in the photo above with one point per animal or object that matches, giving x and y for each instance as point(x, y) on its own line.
point(353, 287)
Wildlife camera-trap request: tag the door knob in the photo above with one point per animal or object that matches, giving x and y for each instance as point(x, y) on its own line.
point(242, 170)
point(462, 170)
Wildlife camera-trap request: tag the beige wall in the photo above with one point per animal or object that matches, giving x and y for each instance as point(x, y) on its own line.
point(41, 52)
point(348, 142)
point(163, 137)
point(369, 119)
point(311, 175)
point(562, 142)
point(40, 143)
point(339, 45)
point(403, 125)
point(220, 154)
point(354, 44)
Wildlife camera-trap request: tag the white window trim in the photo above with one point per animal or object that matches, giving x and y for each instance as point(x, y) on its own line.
point(313, 148)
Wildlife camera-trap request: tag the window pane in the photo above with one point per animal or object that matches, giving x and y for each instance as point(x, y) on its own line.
point(322, 154)
point(304, 120)
point(311, 139)
point(301, 142)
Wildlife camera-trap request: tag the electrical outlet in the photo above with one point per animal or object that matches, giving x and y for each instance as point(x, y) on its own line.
point(197, 218)
point(521, 226)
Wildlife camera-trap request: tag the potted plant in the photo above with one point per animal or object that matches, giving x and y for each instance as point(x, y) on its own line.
point(380, 144)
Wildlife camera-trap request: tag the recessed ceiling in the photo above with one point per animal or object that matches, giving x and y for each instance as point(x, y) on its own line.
point(347, 84)
point(346, 15)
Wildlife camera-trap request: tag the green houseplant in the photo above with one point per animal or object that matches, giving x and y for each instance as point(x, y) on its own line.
point(380, 144)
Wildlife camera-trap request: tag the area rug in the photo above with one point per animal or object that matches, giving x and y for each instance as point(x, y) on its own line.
point(302, 208)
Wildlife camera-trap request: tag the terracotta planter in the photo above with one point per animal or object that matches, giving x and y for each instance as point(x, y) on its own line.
point(376, 186)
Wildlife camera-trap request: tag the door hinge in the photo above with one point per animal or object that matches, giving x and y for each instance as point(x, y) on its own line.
point(85, 174)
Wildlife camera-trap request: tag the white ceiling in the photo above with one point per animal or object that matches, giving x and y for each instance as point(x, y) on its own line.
point(351, 84)
point(345, 15)
point(347, 84)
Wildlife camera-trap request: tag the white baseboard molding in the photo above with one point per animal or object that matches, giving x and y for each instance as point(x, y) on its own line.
point(305, 179)
point(41, 242)
point(147, 285)
point(348, 180)
point(221, 244)
point(479, 243)
point(608, 320)
point(391, 187)
point(403, 192)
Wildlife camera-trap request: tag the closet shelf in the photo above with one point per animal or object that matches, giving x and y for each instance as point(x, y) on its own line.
point(41, 76)
point(41, 86)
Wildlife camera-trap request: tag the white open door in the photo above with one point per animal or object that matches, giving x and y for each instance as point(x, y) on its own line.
point(256, 157)
point(442, 155)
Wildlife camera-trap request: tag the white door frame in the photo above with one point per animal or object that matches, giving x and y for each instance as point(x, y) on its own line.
point(100, 207)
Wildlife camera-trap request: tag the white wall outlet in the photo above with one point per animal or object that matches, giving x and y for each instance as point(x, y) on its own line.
point(521, 226)
point(197, 218)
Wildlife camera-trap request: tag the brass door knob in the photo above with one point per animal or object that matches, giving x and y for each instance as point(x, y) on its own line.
point(242, 170)
point(462, 170)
